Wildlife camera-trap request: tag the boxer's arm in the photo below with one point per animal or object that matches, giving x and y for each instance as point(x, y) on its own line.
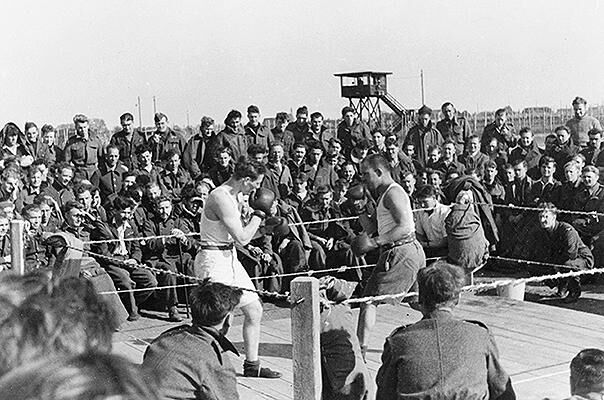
point(231, 218)
point(396, 203)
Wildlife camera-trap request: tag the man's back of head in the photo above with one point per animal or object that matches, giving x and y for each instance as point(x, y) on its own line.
point(587, 372)
point(211, 302)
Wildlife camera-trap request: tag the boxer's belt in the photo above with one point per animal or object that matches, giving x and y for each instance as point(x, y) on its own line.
point(205, 246)
point(406, 240)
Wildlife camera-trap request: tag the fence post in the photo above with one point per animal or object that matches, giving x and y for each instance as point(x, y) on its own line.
point(17, 246)
point(305, 338)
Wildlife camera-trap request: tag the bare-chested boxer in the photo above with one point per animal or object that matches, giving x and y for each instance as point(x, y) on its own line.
point(221, 227)
point(392, 230)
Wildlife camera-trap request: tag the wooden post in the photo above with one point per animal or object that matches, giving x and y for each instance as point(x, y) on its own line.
point(305, 337)
point(17, 246)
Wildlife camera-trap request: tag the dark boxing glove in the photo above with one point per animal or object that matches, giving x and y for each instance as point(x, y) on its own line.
point(261, 201)
point(362, 244)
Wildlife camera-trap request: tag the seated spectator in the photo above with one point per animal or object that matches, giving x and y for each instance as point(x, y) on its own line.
point(350, 174)
point(297, 161)
point(593, 151)
point(281, 134)
point(436, 178)
point(84, 195)
point(12, 146)
point(496, 153)
point(473, 158)
point(547, 188)
point(279, 172)
point(144, 154)
point(434, 155)
point(70, 320)
point(580, 159)
point(169, 254)
point(55, 153)
point(378, 139)
point(334, 150)
point(400, 163)
point(32, 188)
point(51, 213)
point(5, 249)
point(527, 150)
point(259, 260)
point(319, 172)
point(430, 224)
point(557, 242)
point(587, 375)
point(223, 168)
point(173, 177)
point(300, 194)
point(569, 198)
point(189, 360)
point(36, 252)
point(409, 185)
point(409, 150)
point(591, 197)
point(492, 183)
point(62, 188)
point(564, 150)
point(359, 152)
point(467, 244)
point(124, 257)
point(10, 185)
point(85, 376)
point(441, 356)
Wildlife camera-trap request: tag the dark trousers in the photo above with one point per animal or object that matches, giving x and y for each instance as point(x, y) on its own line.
point(294, 260)
point(169, 296)
point(132, 278)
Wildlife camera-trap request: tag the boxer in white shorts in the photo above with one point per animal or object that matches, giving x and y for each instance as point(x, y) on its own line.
point(221, 227)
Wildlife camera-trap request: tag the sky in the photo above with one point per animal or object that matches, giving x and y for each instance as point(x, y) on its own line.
point(207, 57)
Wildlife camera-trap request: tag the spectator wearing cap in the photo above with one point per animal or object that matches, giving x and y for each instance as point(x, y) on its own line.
point(587, 375)
point(166, 138)
point(300, 193)
point(198, 156)
point(441, 356)
point(527, 150)
point(473, 158)
point(233, 136)
point(110, 174)
point(501, 129)
point(424, 134)
point(300, 127)
point(581, 123)
point(281, 134)
point(127, 140)
point(318, 131)
point(564, 150)
point(591, 197)
point(351, 130)
point(453, 127)
point(255, 131)
point(82, 151)
point(173, 177)
point(191, 360)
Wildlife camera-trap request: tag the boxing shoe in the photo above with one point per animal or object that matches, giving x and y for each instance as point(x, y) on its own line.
point(252, 369)
point(174, 315)
point(261, 201)
point(362, 244)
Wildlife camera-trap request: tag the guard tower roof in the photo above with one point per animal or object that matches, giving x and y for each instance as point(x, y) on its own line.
point(363, 73)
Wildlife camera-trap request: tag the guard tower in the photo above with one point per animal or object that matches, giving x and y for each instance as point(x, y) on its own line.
point(366, 91)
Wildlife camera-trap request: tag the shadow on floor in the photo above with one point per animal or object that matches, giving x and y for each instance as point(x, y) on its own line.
point(281, 350)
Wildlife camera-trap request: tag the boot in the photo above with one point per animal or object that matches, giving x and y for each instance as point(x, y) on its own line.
point(254, 370)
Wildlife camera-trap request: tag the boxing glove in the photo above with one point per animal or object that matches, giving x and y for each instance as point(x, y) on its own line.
point(277, 226)
point(261, 201)
point(362, 244)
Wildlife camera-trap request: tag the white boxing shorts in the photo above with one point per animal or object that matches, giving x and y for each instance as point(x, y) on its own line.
point(223, 266)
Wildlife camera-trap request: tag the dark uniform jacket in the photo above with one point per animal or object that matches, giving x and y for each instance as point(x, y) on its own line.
point(191, 363)
point(109, 182)
point(107, 231)
point(441, 357)
point(476, 162)
point(298, 131)
point(504, 135)
point(531, 155)
point(457, 130)
point(259, 135)
point(173, 182)
point(351, 135)
point(592, 200)
point(164, 249)
point(286, 138)
point(234, 140)
point(323, 137)
point(451, 166)
point(172, 140)
point(560, 246)
point(199, 153)
point(127, 146)
point(422, 138)
point(540, 191)
point(83, 154)
point(563, 154)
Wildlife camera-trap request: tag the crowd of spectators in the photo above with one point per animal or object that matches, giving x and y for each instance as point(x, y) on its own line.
point(149, 184)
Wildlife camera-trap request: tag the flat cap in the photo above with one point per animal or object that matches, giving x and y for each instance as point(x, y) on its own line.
point(424, 110)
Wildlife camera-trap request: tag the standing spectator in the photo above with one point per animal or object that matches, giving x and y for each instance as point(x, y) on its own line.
point(34, 145)
point(570, 189)
point(492, 183)
point(593, 151)
point(300, 193)
point(378, 140)
point(198, 156)
point(190, 360)
point(400, 163)
point(409, 151)
point(255, 131)
point(169, 139)
point(434, 155)
point(319, 173)
point(281, 134)
point(297, 162)
point(61, 188)
point(581, 123)
point(55, 153)
point(527, 150)
point(547, 188)
point(81, 150)
point(109, 177)
point(500, 129)
point(559, 243)
point(453, 127)
point(351, 130)
point(318, 131)
point(127, 140)
point(300, 127)
point(233, 136)
point(424, 134)
point(441, 356)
